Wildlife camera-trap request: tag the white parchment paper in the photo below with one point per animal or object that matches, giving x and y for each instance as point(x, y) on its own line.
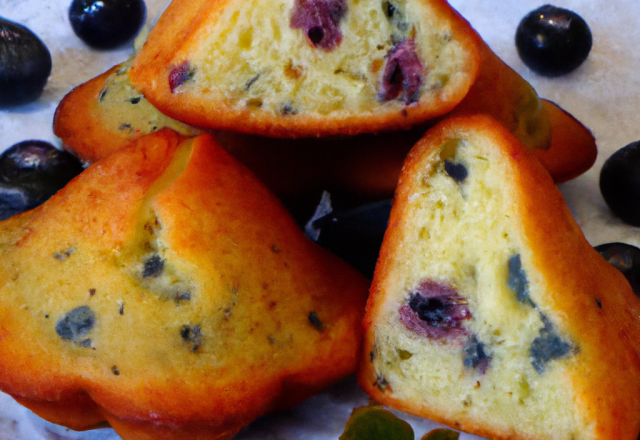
point(602, 93)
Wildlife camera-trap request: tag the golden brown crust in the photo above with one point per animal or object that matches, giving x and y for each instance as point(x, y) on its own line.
point(592, 300)
point(227, 234)
point(573, 148)
point(500, 92)
point(93, 126)
point(176, 33)
point(75, 122)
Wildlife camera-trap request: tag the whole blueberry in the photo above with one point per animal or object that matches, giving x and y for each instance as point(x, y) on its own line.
point(106, 24)
point(625, 258)
point(620, 183)
point(25, 65)
point(355, 235)
point(31, 172)
point(553, 41)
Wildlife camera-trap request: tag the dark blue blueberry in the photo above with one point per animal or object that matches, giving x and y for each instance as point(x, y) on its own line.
point(354, 235)
point(548, 346)
point(620, 183)
point(107, 24)
point(434, 311)
point(76, 324)
point(517, 280)
point(389, 9)
point(475, 355)
point(153, 267)
point(625, 258)
point(30, 173)
point(316, 322)
point(395, 16)
point(553, 41)
point(25, 65)
point(456, 171)
point(13, 201)
point(192, 335)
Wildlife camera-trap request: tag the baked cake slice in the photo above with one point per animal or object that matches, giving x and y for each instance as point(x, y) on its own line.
point(166, 291)
point(489, 311)
point(292, 68)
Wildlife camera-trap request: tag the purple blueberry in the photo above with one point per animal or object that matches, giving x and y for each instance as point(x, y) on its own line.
point(625, 258)
point(620, 183)
point(553, 41)
point(25, 65)
point(436, 311)
point(179, 75)
point(402, 75)
point(320, 21)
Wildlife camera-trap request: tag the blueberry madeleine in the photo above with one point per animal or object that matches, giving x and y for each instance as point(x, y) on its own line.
point(489, 310)
point(166, 291)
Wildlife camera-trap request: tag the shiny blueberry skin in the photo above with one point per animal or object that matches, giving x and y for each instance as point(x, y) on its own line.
point(625, 258)
point(30, 173)
point(620, 183)
point(25, 65)
point(107, 24)
point(553, 41)
point(355, 235)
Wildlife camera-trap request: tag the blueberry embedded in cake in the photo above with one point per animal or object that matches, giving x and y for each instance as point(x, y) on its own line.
point(486, 309)
point(291, 68)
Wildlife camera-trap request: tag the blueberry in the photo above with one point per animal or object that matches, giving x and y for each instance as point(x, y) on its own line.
point(106, 24)
point(553, 41)
point(320, 21)
point(625, 258)
point(402, 75)
point(475, 355)
point(315, 322)
point(76, 324)
point(179, 75)
point(25, 65)
point(153, 267)
point(620, 183)
point(192, 335)
point(436, 311)
point(548, 346)
point(355, 235)
point(30, 173)
point(517, 280)
point(456, 171)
